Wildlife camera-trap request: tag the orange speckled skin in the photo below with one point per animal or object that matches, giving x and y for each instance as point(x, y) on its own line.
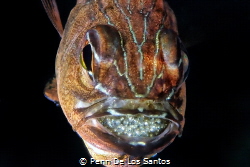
point(136, 55)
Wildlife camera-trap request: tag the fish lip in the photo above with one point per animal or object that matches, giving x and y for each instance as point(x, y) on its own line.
point(89, 125)
point(117, 107)
point(114, 106)
point(124, 112)
point(138, 147)
point(134, 140)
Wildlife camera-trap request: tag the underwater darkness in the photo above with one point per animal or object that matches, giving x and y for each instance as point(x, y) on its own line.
point(35, 133)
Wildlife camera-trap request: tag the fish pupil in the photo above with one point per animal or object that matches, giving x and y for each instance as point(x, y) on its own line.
point(87, 57)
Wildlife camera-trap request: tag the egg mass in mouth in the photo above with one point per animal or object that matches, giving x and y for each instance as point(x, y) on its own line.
point(137, 125)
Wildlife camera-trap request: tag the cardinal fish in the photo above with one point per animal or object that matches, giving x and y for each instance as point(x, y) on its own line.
point(120, 76)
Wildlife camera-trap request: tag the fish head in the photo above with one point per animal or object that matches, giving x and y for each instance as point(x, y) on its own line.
point(125, 96)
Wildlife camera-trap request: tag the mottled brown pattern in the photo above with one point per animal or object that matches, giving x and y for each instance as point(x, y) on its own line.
point(136, 57)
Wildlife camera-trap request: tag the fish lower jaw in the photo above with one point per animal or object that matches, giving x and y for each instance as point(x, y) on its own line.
point(134, 126)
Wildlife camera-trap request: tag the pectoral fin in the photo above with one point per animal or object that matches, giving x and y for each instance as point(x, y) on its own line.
point(50, 91)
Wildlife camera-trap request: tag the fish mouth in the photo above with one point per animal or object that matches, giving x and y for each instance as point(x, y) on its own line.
point(134, 126)
point(136, 121)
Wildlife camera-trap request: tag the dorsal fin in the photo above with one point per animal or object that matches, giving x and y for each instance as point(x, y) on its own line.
point(52, 11)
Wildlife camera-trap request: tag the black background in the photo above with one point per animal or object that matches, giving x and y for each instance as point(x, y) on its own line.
point(35, 133)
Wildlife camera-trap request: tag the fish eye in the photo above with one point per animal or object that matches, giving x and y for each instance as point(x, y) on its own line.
point(86, 58)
